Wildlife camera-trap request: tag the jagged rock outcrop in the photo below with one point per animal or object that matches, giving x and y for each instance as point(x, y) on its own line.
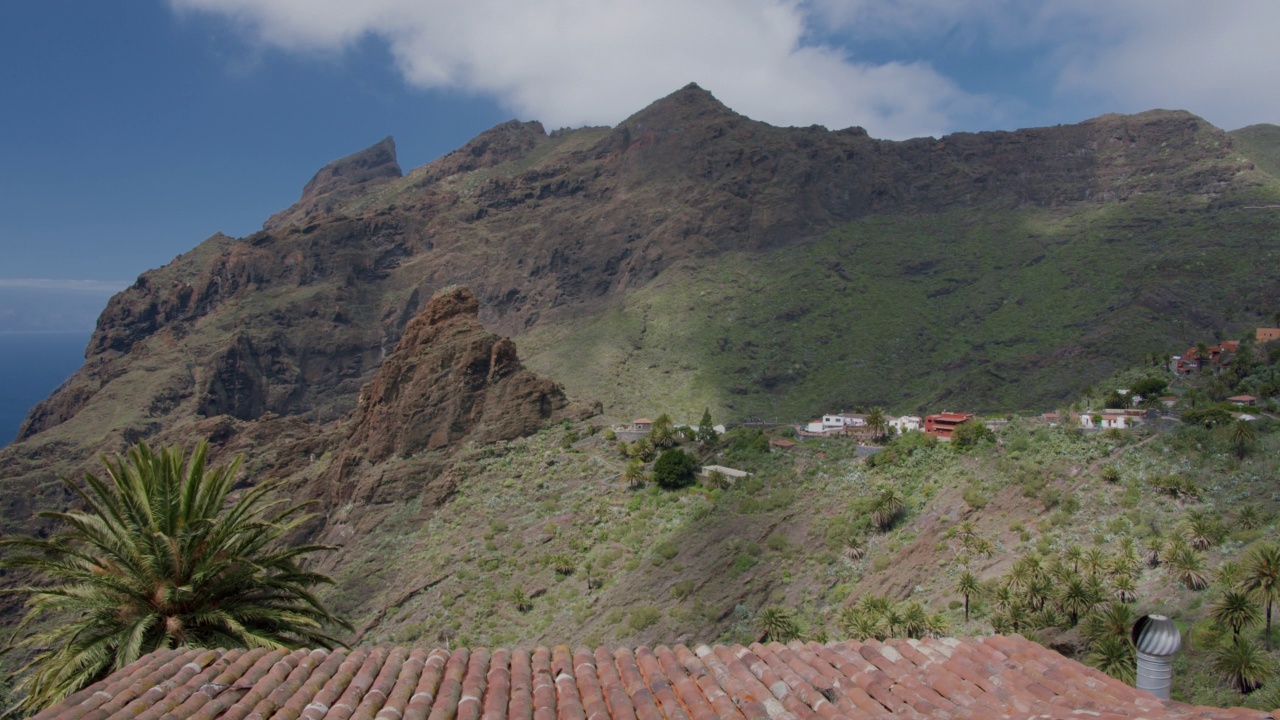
point(449, 379)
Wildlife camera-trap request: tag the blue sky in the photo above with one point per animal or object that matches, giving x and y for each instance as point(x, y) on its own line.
point(131, 131)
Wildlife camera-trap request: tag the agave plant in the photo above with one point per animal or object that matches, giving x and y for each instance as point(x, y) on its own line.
point(855, 547)
point(163, 557)
point(857, 624)
point(1116, 657)
point(777, 624)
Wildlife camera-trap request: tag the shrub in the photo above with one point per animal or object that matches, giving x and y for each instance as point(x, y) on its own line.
point(666, 549)
point(778, 542)
point(643, 617)
point(682, 589)
point(674, 469)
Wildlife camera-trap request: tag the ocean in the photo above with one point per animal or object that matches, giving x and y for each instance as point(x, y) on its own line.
point(32, 365)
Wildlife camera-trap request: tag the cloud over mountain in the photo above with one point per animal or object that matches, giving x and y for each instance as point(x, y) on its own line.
point(872, 63)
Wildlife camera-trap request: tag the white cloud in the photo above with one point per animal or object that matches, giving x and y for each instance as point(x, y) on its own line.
point(1216, 59)
point(85, 286)
point(575, 62)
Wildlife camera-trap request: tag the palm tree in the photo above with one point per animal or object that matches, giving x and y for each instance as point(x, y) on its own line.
point(1241, 434)
point(1075, 598)
point(777, 624)
point(884, 510)
point(1094, 560)
point(1244, 665)
point(1154, 547)
point(1125, 588)
point(1072, 554)
point(634, 474)
point(1202, 530)
point(1187, 566)
point(1262, 578)
point(1249, 517)
point(163, 558)
point(662, 433)
point(1235, 609)
point(877, 423)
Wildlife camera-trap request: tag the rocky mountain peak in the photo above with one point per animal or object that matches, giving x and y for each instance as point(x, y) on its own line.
point(375, 162)
point(687, 106)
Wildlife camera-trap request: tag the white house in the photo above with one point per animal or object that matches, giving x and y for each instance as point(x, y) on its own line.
point(844, 420)
point(1108, 419)
point(905, 423)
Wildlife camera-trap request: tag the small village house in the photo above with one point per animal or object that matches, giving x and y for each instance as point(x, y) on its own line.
point(642, 425)
point(905, 423)
point(1242, 400)
point(780, 444)
point(1266, 335)
point(944, 424)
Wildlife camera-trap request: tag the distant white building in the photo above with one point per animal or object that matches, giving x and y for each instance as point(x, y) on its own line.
point(905, 423)
point(842, 420)
point(1110, 419)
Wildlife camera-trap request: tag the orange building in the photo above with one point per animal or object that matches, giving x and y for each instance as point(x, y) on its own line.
point(1268, 334)
point(943, 424)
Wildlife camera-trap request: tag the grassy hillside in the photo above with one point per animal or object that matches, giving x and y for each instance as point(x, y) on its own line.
point(550, 522)
point(976, 308)
point(1261, 144)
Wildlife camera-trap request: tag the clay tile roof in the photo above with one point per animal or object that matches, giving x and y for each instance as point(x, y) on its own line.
point(986, 677)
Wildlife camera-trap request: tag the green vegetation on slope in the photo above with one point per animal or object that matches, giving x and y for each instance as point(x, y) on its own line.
point(1261, 144)
point(976, 309)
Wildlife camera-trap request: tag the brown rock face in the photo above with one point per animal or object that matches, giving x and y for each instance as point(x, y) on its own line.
point(449, 379)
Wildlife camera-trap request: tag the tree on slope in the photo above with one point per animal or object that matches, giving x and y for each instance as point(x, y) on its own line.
point(162, 558)
point(1262, 578)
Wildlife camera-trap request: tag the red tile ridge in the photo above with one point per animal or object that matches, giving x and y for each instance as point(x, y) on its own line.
point(335, 685)
point(359, 684)
point(219, 674)
point(263, 687)
point(168, 695)
point(751, 696)
point(450, 692)
point(544, 686)
point(658, 684)
point(140, 685)
point(721, 704)
point(290, 684)
point(568, 699)
point(814, 701)
point(737, 693)
point(772, 683)
point(615, 694)
point(521, 704)
point(589, 687)
point(691, 696)
point(407, 682)
point(498, 681)
point(642, 699)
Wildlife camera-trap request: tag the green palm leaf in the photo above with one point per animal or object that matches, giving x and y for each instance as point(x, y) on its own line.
point(161, 557)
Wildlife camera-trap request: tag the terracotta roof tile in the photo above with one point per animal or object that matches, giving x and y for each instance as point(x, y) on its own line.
point(948, 678)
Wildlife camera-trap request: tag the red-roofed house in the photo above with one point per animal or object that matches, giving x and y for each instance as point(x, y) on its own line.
point(943, 424)
point(1242, 400)
point(642, 424)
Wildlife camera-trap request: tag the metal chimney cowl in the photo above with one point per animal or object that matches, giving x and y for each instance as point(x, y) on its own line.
point(1157, 639)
